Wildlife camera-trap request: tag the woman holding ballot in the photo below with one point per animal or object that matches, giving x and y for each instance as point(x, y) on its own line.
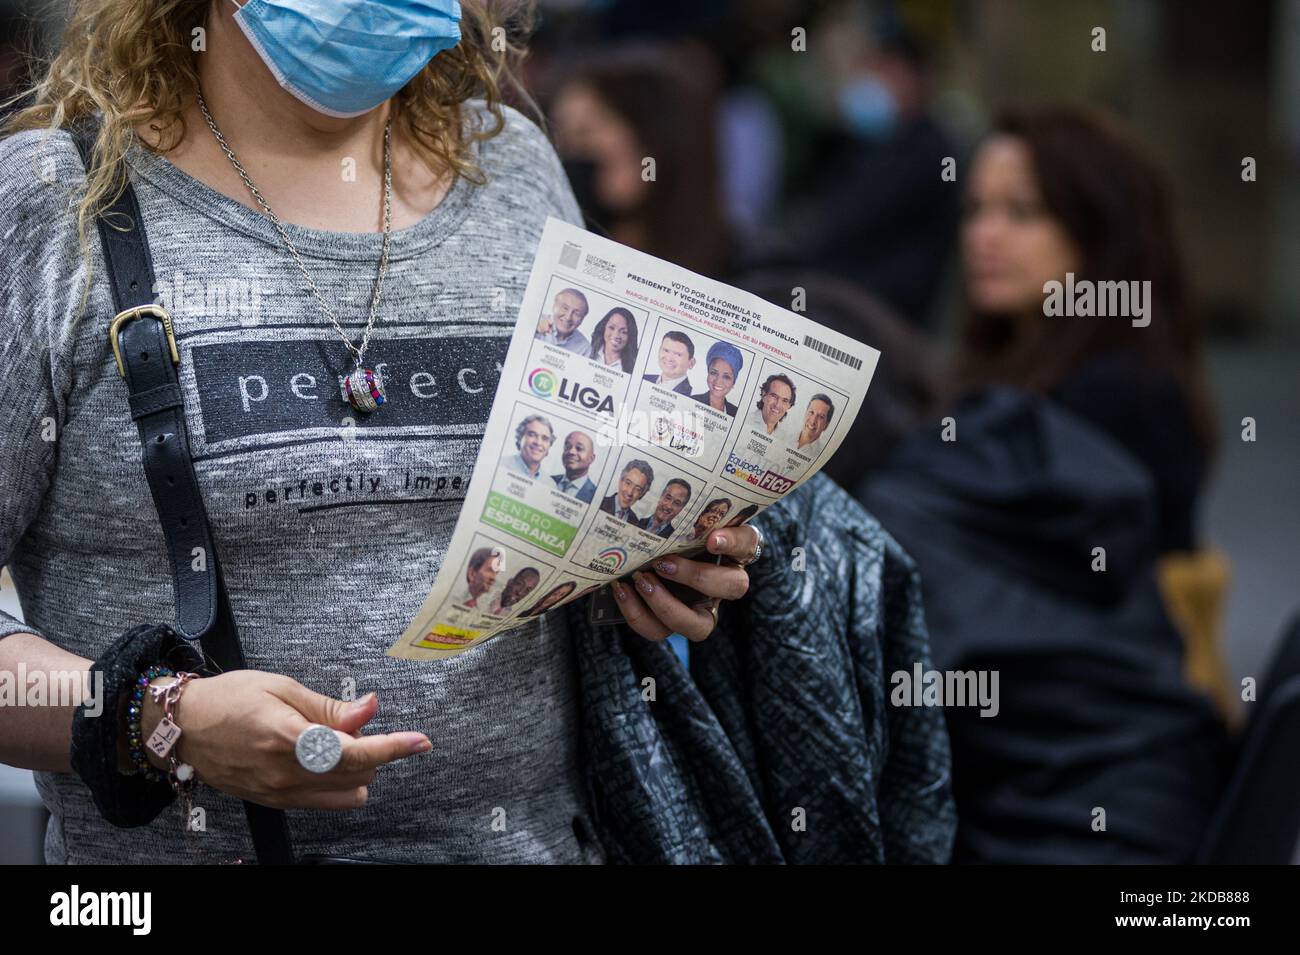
point(353, 161)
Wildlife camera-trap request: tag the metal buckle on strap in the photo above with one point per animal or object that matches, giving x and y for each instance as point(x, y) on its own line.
point(157, 311)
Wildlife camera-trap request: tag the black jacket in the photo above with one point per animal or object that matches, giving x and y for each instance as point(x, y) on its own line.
point(1094, 711)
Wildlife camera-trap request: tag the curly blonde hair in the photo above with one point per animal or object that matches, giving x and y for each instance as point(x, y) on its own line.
point(132, 61)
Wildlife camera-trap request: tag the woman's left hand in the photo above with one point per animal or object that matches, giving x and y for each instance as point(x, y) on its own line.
point(654, 613)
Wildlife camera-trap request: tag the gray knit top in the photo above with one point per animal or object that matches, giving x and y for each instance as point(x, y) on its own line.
point(329, 531)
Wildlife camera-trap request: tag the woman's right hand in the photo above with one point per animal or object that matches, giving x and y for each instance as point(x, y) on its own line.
point(239, 729)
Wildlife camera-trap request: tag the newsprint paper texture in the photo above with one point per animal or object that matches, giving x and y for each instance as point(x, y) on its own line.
point(631, 418)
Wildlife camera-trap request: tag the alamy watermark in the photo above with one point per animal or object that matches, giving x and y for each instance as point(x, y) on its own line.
point(75, 907)
point(1085, 298)
point(53, 688)
point(921, 687)
point(229, 298)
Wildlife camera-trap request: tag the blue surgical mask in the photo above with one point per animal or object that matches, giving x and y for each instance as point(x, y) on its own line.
point(345, 57)
point(868, 107)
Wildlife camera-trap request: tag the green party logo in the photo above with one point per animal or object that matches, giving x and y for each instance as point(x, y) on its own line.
point(542, 382)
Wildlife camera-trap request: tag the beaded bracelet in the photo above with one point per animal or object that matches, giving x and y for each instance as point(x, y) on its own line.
point(125, 798)
point(134, 735)
point(165, 736)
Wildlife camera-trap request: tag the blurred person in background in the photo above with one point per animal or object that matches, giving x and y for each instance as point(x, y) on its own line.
point(876, 210)
point(617, 110)
point(1068, 461)
point(1057, 191)
point(1063, 195)
point(721, 39)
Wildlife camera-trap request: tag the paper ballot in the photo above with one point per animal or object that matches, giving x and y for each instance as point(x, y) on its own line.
point(640, 406)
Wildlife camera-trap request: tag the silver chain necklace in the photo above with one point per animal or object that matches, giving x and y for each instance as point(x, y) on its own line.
point(362, 389)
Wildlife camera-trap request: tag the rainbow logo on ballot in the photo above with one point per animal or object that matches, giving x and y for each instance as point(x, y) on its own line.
point(612, 558)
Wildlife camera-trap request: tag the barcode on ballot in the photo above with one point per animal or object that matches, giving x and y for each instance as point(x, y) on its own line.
point(569, 255)
point(831, 352)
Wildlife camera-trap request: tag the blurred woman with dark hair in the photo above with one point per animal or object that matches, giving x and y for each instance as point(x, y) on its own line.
point(619, 111)
point(1069, 458)
point(1059, 191)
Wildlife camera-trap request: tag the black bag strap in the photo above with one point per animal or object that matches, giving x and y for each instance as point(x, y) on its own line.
point(147, 357)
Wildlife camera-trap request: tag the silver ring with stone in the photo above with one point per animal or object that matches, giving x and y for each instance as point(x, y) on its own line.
point(318, 749)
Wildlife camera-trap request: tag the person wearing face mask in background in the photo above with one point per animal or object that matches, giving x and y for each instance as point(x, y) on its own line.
point(616, 109)
point(877, 212)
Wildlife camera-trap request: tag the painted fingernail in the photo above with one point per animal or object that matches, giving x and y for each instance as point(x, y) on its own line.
point(666, 565)
point(619, 592)
point(643, 583)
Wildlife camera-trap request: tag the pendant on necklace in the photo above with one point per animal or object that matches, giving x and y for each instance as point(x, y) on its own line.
point(363, 389)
